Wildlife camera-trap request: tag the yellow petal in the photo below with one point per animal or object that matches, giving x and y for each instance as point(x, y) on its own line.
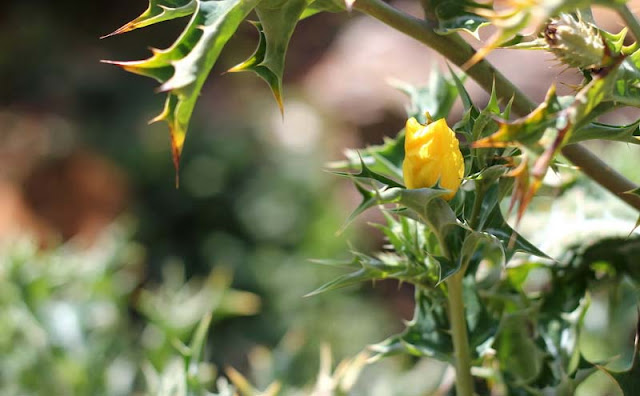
point(432, 154)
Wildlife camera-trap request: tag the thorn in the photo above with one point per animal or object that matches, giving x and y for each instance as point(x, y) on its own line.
point(120, 30)
point(176, 165)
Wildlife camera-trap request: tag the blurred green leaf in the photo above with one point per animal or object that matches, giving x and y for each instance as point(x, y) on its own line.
point(426, 334)
point(519, 355)
point(436, 98)
point(609, 334)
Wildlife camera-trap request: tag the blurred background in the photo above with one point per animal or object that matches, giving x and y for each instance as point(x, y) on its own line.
point(104, 264)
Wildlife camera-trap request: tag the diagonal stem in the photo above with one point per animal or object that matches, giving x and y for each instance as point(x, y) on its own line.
point(458, 51)
point(630, 19)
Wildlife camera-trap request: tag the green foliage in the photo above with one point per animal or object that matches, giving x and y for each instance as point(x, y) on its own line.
point(65, 328)
point(524, 340)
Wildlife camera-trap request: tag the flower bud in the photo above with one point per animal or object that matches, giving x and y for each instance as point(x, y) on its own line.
point(574, 42)
point(432, 155)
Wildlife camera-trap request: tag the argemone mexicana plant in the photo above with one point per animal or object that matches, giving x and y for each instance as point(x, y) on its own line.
point(442, 188)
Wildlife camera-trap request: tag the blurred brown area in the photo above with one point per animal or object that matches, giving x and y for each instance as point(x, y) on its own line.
point(51, 189)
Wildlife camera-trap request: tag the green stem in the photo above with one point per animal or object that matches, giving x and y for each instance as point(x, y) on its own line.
point(462, 354)
point(451, 46)
point(464, 380)
point(600, 172)
point(458, 51)
point(630, 19)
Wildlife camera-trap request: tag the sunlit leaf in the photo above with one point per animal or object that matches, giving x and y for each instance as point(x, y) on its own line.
point(159, 11)
point(278, 20)
point(183, 68)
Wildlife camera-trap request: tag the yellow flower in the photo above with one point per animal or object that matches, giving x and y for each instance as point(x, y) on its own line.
point(432, 154)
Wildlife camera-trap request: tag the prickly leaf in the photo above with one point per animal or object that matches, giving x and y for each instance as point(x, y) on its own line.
point(278, 20)
point(158, 11)
point(183, 68)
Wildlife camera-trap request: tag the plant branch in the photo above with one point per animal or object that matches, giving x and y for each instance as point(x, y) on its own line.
point(458, 51)
point(453, 47)
point(599, 171)
point(630, 19)
point(458, 321)
point(464, 380)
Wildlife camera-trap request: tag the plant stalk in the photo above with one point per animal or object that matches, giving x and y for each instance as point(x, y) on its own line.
point(458, 51)
point(630, 19)
point(464, 380)
point(458, 321)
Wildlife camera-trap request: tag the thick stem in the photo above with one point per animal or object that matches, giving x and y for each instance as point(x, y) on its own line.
point(458, 51)
point(451, 46)
point(630, 19)
point(464, 380)
point(601, 173)
point(462, 354)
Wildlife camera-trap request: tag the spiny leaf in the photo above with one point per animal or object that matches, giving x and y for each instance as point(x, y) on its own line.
point(246, 389)
point(462, 91)
point(183, 68)
point(383, 266)
point(527, 130)
point(426, 334)
point(498, 227)
point(541, 134)
point(627, 88)
point(618, 133)
point(385, 159)
point(278, 20)
point(366, 173)
point(158, 11)
point(369, 200)
point(198, 342)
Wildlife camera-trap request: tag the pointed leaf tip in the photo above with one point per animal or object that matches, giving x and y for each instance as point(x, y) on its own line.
point(158, 11)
